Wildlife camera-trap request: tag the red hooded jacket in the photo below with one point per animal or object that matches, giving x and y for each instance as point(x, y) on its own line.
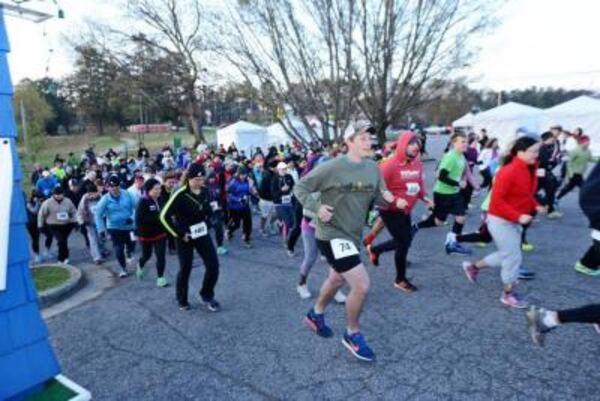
point(403, 177)
point(513, 192)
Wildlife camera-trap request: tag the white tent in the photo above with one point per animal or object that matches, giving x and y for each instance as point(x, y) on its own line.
point(277, 135)
point(583, 112)
point(246, 136)
point(464, 121)
point(503, 121)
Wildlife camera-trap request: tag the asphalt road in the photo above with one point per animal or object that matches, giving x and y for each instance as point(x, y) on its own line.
point(451, 340)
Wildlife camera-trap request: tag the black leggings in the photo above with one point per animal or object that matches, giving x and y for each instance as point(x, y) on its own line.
point(48, 242)
point(294, 234)
point(483, 235)
point(34, 233)
point(216, 222)
point(399, 226)
point(121, 240)
point(241, 217)
point(61, 233)
point(159, 249)
point(591, 259)
point(575, 181)
point(585, 314)
point(205, 248)
point(487, 178)
point(548, 185)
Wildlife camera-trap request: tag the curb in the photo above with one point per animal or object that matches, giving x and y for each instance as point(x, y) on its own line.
point(54, 295)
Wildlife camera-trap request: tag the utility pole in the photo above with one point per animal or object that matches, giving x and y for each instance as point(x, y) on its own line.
point(24, 125)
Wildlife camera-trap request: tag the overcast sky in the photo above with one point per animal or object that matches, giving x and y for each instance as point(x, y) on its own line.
point(539, 42)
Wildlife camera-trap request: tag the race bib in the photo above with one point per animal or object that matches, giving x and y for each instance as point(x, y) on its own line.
point(214, 206)
point(62, 216)
point(541, 172)
point(342, 248)
point(153, 208)
point(412, 188)
point(198, 230)
point(286, 199)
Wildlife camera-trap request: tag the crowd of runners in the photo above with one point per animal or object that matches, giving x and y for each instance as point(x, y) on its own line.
point(193, 202)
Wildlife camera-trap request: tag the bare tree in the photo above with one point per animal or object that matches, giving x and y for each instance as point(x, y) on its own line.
point(345, 59)
point(405, 45)
point(301, 53)
point(174, 30)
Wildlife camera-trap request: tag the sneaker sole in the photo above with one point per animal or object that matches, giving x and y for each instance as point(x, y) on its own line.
point(589, 273)
point(536, 336)
point(523, 306)
point(407, 290)
point(349, 347)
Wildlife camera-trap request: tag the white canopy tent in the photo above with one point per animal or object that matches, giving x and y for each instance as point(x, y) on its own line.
point(246, 136)
point(583, 112)
point(503, 121)
point(464, 121)
point(277, 134)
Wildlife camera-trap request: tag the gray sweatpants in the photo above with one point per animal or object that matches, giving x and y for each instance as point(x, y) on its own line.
point(507, 237)
point(311, 252)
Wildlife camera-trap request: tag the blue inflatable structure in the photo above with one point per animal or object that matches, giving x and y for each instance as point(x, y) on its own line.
point(27, 360)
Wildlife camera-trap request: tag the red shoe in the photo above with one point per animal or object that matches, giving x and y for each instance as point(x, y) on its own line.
point(373, 257)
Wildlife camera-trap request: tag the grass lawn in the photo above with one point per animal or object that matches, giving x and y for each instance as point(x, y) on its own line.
point(53, 391)
point(49, 277)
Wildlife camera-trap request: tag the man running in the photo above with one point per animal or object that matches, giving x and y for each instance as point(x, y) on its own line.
point(348, 186)
point(446, 193)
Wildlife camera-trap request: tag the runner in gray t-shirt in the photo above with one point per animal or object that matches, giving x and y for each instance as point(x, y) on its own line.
point(348, 185)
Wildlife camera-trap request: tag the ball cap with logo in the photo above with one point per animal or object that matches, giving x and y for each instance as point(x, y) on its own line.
point(358, 127)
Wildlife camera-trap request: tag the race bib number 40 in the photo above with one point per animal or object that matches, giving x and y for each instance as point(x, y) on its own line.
point(342, 248)
point(412, 188)
point(198, 230)
point(286, 199)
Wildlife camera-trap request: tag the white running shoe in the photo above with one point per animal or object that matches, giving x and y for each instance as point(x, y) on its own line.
point(303, 291)
point(340, 298)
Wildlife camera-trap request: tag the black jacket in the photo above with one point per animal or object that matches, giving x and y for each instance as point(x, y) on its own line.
point(264, 192)
point(545, 158)
point(185, 209)
point(589, 197)
point(278, 183)
point(147, 218)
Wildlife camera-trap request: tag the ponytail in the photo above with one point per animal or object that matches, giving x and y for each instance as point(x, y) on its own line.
point(520, 145)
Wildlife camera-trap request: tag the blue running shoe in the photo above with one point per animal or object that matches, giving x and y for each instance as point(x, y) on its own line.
point(357, 345)
point(525, 274)
point(455, 247)
point(316, 322)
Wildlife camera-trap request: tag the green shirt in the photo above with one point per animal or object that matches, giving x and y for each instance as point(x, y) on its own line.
point(350, 188)
point(454, 162)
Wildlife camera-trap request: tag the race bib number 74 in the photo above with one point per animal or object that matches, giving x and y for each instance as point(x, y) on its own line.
point(342, 248)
